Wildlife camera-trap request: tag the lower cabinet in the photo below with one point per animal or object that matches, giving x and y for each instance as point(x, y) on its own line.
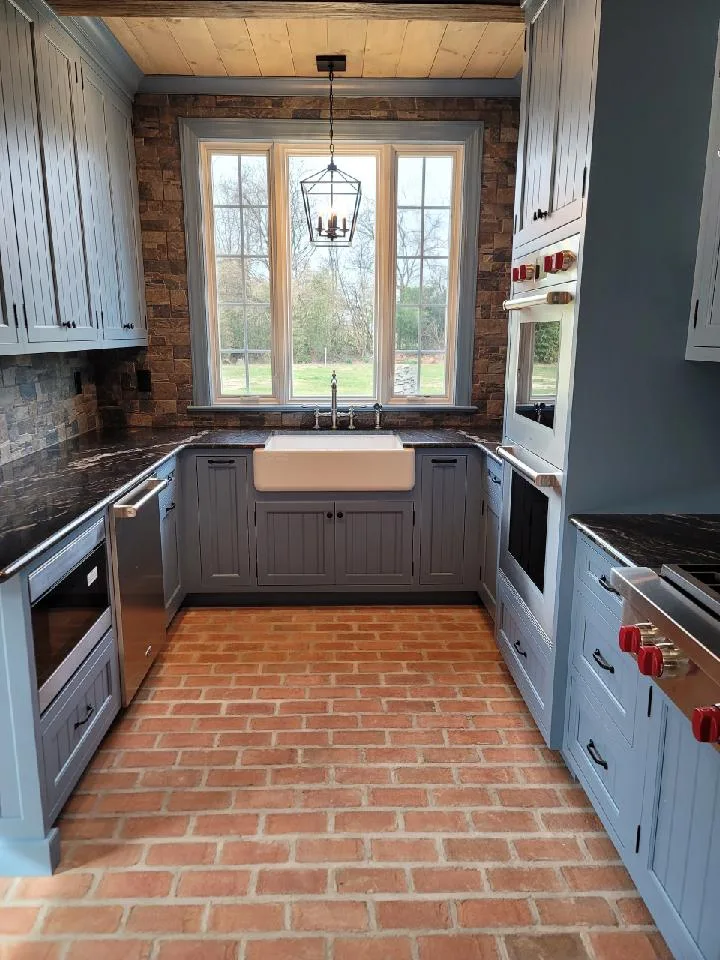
point(329, 543)
point(491, 510)
point(443, 496)
point(224, 544)
point(170, 540)
point(74, 725)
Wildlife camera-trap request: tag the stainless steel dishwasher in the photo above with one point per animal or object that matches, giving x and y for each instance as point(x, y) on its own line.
point(138, 582)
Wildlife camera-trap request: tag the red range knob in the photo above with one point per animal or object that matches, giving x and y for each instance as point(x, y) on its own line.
point(564, 259)
point(650, 661)
point(630, 639)
point(550, 264)
point(524, 272)
point(706, 724)
point(516, 274)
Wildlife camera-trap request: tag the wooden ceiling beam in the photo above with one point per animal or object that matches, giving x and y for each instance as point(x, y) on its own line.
point(282, 9)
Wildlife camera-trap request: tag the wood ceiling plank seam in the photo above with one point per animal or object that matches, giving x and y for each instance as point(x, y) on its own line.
point(234, 46)
point(154, 35)
point(457, 46)
point(348, 37)
point(420, 45)
point(127, 39)
point(271, 43)
point(513, 62)
point(383, 43)
point(197, 45)
point(496, 42)
point(307, 38)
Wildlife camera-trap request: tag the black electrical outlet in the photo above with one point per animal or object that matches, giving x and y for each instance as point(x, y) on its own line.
point(77, 377)
point(144, 381)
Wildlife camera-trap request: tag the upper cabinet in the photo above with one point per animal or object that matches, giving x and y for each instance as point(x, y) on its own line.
point(556, 119)
point(704, 331)
point(70, 262)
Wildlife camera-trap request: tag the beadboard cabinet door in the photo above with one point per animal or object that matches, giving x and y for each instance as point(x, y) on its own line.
point(222, 486)
point(126, 223)
point(374, 542)
point(96, 198)
point(296, 543)
point(58, 77)
point(443, 491)
point(31, 305)
point(704, 331)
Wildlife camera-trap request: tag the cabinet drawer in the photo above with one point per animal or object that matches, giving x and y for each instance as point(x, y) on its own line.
point(523, 647)
point(492, 482)
point(593, 569)
point(73, 727)
point(611, 676)
point(603, 760)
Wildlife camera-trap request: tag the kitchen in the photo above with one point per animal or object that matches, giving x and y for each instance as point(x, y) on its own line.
point(445, 685)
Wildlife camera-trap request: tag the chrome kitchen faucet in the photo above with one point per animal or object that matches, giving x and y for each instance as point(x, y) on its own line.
point(336, 415)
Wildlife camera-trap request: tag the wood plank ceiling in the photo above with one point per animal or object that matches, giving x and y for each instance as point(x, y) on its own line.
point(255, 47)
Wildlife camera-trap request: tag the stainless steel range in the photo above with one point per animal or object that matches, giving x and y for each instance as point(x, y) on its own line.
point(671, 626)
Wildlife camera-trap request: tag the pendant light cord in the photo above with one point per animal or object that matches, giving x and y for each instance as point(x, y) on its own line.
point(332, 117)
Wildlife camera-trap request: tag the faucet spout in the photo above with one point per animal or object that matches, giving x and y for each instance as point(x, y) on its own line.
point(333, 400)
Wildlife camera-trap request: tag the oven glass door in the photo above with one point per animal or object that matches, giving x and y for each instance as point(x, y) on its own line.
point(530, 538)
point(538, 379)
point(68, 612)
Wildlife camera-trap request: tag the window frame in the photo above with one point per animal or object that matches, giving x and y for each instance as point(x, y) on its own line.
point(281, 138)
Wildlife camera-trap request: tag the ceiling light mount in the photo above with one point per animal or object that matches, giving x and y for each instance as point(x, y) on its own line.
point(331, 62)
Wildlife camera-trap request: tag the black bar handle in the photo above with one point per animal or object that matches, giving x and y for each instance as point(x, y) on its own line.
point(523, 653)
point(89, 712)
point(606, 585)
point(226, 461)
point(169, 507)
point(595, 756)
point(444, 460)
point(602, 662)
point(495, 480)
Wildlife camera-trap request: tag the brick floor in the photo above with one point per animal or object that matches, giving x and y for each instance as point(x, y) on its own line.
point(329, 784)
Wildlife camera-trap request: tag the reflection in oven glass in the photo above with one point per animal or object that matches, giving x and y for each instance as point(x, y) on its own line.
point(527, 535)
point(537, 371)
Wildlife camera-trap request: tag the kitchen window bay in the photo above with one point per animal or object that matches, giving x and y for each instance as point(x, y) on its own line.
point(273, 315)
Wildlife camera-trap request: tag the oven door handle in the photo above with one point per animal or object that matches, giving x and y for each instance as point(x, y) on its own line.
point(536, 479)
point(128, 511)
point(553, 298)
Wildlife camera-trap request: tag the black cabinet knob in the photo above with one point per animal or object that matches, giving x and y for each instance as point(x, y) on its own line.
point(340, 515)
point(329, 515)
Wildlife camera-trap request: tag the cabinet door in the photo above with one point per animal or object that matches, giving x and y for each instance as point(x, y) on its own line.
point(96, 200)
point(704, 332)
point(223, 522)
point(681, 833)
point(169, 536)
point(33, 287)
point(540, 116)
point(121, 153)
point(374, 542)
point(490, 543)
point(574, 113)
point(442, 520)
point(295, 543)
point(57, 80)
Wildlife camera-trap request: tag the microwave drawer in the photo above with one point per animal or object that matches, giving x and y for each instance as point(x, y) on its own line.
point(64, 560)
point(73, 727)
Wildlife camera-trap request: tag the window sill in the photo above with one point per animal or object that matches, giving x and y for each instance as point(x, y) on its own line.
point(297, 408)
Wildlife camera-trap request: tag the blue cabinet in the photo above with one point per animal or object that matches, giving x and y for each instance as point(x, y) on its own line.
point(169, 504)
point(374, 542)
point(443, 494)
point(491, 511)
point(295, 543)
point(222, 521)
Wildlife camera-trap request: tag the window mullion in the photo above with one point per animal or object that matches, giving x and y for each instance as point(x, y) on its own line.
point(279, 259)
point(385, 327)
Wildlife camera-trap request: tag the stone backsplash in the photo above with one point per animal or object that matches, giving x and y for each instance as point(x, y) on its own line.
point(161, 210)
point(40, 404)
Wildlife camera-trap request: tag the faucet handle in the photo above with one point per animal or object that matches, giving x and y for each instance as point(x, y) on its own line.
point(317, 418)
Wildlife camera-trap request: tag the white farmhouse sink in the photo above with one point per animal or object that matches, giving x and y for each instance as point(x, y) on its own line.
point(334, 462)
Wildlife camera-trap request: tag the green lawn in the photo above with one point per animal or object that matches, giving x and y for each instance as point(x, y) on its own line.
point(544, 381)
point(312, 380)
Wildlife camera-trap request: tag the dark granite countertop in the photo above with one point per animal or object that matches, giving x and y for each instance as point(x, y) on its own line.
point(45, 495)
point(650, 540)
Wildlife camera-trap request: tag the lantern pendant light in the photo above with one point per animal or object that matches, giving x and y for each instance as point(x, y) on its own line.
point(331, 197)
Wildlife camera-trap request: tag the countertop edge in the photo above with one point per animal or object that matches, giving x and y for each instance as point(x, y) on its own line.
point(596, 538)
point(199, 441)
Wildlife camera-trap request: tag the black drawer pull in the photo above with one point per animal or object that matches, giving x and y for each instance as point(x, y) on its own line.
point(595, 756)
point(444, 460)
point(217, 463)
point(606, 585)
point(602, 662)
point(89, 712)
point(523, 653)
point(169, 507)
point(495, 480)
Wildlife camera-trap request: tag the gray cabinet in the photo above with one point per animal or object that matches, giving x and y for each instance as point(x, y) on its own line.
point(29, 290)
point(704, 331)
point(490, 542)
point(222, 487)
point(170, 540)
point(295, 543)
point(443, 482)
point(556, 117)
point(374, 542)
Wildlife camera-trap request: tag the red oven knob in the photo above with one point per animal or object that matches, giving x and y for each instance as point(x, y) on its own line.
point(564, 260)
point(706, 724)
point(650, 661)
point(516, 274)
point(526, 272)
point(549, 264)
point(630, 639)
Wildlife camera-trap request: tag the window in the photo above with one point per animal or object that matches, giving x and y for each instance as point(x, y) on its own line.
point(273, 316)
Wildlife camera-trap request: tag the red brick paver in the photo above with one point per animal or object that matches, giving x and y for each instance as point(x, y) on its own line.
point(329, 784)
